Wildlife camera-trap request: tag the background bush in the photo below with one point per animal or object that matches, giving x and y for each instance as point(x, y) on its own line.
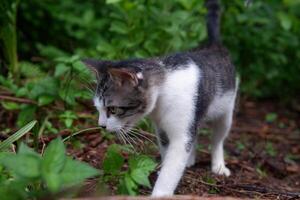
point(263, 38)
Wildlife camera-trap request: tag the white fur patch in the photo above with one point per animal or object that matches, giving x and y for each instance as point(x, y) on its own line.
point(97, 103)
point(102, 121)
point(174, 113)
point(176, 102)
point(221, 104)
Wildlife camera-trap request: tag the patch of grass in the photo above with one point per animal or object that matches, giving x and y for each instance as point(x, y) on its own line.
point(240, 146)
point(261, 172)
point(271, 117)
point(270, 149)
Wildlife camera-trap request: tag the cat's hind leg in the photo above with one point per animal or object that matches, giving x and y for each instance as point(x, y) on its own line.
point(221, 127)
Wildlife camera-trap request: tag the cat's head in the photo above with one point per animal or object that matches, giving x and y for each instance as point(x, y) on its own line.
point(125, 92)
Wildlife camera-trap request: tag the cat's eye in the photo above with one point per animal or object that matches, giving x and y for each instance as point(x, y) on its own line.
point(115, 110)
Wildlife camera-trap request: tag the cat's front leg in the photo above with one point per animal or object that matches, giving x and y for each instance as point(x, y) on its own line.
point(173, 165)
point(163, 141)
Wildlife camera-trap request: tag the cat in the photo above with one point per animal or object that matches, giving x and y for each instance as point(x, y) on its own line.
point(178, 92)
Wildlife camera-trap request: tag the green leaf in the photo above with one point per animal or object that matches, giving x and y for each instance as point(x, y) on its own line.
point(45, 99)
point(24, 165)
point(285, 21)
point(53, 181)
point(75, 172)
point(46, 86)
point(67, 95)
point(60, 69)
point(22, 92)
point(30, 70)
point(26, 115)
point(54, 157)
point(271, 117)
point(141, 177)
point(119, 27)
point(122, 187)
point(112, 1)
point(113, 160)
point(131, 186)
point(6, 143)
point(142, 162)
point(140, 168)
point(79, 66)
point(68, 122)
point(25, 150)
point(10, 105)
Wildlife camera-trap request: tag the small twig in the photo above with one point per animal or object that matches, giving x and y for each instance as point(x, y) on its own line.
point(43, 147)
point(16, 99)
point(249, 188)
point(265, 190)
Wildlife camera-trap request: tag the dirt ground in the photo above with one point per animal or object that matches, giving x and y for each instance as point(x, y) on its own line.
point(262, 151)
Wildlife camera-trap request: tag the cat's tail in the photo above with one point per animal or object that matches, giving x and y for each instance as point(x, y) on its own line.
point(213, 21)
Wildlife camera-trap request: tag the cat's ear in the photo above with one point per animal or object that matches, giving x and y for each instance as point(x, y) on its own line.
point(121, 76)
point(92, 64)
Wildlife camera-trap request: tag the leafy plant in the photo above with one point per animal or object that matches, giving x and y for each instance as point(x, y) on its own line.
point(68, 117)
point(139, 168)
point(8, 35)
point(64, 85)
point(28, 174)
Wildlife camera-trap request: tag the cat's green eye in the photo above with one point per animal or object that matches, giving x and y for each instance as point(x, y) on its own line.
point(115, 110)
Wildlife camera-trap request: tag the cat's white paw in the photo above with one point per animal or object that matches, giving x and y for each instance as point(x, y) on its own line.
point(221, 169)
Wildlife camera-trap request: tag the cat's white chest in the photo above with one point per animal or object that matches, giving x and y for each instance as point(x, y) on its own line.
point(177, 97)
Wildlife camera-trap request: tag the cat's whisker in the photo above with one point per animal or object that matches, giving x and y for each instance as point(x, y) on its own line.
point(137, 131)
point(140, 135)
point(124, 134)
point(87, 83)
point(121, 139)
point(89, 87)
point(129, 137)
point(137, 138)
point(140, 143)
point(144, 132)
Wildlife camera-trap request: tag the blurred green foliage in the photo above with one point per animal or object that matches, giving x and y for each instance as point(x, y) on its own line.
point(8, 35)
point(53, 35)
point(29, 175)
point(264, 41)
point(263, 38)
point(129, 180)
point(50, 37)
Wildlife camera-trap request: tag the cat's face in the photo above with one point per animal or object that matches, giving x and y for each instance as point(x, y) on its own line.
point(122, 96)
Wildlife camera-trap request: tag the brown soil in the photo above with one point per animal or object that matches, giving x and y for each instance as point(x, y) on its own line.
point(264, 157)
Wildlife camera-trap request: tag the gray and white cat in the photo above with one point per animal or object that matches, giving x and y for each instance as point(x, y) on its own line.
point(178, 92)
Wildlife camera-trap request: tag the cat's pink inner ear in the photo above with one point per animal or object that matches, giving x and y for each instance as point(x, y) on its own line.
point(121, 76)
